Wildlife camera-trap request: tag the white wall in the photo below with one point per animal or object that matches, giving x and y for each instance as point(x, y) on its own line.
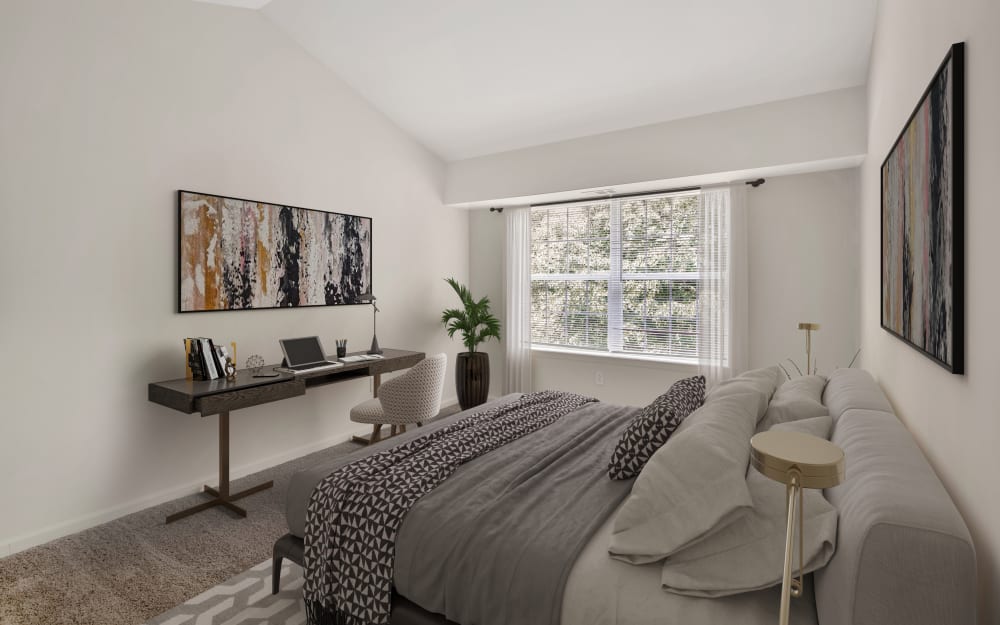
point(826, 127)
point(107, 108)
point(803, 246)
point(486, 250)
point(803, 256)
point(955, 419)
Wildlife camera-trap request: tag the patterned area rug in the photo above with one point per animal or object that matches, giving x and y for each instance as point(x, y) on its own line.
point(244, 599)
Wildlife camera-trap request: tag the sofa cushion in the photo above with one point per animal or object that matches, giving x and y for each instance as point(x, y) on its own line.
point(798, 398)
point(853, 388)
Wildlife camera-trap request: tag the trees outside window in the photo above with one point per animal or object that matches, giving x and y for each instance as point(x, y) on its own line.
point(617, 275)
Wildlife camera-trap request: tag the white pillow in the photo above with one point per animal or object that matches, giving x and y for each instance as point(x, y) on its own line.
point(693, 483)
point(763, 382)
point(798, 398)
point(749, 553)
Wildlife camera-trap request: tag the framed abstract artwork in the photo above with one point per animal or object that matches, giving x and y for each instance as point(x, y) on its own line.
point(238, 254)
point(923, 194)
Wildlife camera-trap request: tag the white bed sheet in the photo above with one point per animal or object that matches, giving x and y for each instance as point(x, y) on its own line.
point(604, 591)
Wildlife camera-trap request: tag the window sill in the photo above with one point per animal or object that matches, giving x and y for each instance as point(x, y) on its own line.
point(624, 358)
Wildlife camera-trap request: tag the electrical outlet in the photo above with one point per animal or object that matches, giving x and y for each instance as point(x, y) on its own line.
point(599, 378)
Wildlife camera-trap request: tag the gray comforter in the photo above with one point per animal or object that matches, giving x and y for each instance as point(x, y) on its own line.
point(494, 544)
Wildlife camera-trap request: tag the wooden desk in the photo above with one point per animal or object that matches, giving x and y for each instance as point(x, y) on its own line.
point(221, 396)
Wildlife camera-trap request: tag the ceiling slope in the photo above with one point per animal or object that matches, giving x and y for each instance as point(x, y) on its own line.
point(473, 78)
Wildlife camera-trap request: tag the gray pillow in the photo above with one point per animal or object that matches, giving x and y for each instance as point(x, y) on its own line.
point(798, 398)
point(749, 553)
point(759, 381)
point(692, 484)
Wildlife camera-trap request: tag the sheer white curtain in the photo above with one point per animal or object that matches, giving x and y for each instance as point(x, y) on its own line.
point(517, 306)
point(722, 296)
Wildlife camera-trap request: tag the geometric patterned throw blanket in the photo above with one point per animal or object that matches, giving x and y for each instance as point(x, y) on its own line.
point(355, 512)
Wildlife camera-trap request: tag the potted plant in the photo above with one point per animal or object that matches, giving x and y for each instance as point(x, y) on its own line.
point(477, 324)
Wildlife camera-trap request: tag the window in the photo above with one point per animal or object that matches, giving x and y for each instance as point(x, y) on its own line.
point(617, 275)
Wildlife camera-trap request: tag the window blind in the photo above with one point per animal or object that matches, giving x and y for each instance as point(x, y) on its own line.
point(618, 275)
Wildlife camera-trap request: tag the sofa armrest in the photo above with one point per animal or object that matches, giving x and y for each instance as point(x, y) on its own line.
point(904, 554)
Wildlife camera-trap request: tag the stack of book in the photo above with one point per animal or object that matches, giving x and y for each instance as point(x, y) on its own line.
point(206, 360)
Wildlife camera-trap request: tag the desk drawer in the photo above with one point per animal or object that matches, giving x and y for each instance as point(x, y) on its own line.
point(246, 397)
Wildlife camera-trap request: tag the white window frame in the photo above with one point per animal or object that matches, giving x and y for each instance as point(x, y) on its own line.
point(615, 305)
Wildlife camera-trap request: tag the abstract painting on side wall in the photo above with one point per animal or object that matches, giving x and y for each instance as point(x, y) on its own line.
point(923, 222)
point(239, 254)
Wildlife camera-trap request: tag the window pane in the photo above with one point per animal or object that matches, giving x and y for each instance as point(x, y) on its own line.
point(576, 257)
point(656, 273)
point(660, 317)
point(570, 312)
point(600, 221)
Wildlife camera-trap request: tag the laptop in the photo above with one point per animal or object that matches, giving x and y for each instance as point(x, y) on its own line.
point(305, 354)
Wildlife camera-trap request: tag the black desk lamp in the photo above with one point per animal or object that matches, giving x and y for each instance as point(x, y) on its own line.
point(368, 298)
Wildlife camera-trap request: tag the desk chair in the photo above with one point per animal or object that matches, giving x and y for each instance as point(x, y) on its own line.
point(412, 397)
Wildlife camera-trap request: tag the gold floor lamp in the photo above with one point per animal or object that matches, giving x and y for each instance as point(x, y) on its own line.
point(809, 328)
point(798, 461)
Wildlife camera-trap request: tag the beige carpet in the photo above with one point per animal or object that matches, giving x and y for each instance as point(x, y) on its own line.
point(136, 567)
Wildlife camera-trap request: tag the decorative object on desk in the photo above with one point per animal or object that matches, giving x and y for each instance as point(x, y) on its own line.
point(368, 298)
point(923, 196)
point(230, 369)
point(240, 254)
point(195, 363)
point(477, 324)
point(255, 363)
point(222, 357)
point(341, 348)
point(798, 461)
point(188, 370)
point(205, 360)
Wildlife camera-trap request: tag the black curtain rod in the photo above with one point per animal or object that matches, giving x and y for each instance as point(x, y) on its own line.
point(753, 183)
point(620, 195)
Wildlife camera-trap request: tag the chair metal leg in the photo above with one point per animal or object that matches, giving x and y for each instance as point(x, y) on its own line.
point(276, 571)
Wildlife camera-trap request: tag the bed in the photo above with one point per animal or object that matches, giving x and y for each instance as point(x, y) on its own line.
point(521, 534)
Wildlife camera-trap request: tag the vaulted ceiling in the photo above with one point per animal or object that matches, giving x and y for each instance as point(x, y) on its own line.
point(467, 78)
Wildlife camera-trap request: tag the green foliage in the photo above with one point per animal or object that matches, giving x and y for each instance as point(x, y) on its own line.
point(474, 320)
point(654, 235)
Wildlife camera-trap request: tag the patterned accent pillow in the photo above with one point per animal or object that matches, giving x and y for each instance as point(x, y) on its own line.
point(653, 426)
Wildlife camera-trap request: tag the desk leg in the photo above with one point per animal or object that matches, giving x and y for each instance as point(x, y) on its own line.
point(377, 383)
point(221, 496)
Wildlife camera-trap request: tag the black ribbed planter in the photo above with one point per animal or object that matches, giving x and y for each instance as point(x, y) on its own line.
point(472, 378)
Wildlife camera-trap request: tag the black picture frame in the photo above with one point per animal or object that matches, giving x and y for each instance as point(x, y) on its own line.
point(353, 257)
point(922, 189)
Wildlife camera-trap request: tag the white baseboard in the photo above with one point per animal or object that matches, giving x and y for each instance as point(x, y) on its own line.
point(12, 545)
point(15, 544)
